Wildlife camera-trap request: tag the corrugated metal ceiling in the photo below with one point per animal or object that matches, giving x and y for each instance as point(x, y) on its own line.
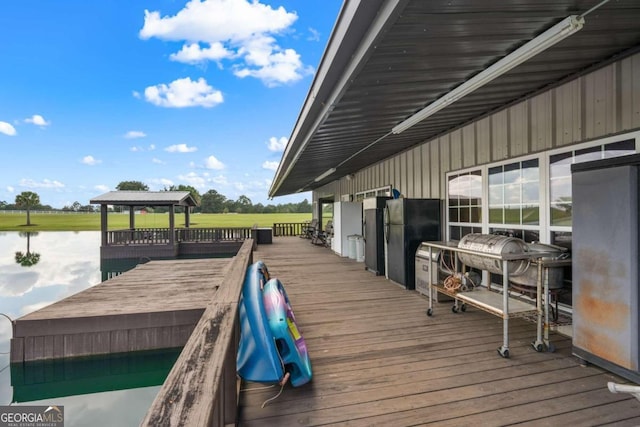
point(415, 52)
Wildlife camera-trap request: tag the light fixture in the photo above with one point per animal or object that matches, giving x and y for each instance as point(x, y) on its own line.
point(324, 175)
point(553, 35)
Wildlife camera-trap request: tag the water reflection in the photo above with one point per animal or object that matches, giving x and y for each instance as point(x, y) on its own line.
point(27, 259)
point(69, 377)
point(68, 262)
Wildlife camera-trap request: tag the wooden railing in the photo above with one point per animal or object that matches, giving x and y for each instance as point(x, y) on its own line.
point(201, 389)
point(212, 234)
point(289, 228)
point(150, 236)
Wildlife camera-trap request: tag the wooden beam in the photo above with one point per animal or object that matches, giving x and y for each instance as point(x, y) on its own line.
point(199, 390)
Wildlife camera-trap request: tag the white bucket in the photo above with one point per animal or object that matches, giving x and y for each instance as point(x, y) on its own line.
point(351, 246)
point(360, 248)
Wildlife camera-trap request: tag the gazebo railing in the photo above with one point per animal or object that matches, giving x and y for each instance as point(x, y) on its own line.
point(160, 236)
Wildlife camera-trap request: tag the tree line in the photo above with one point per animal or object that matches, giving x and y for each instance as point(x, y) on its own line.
point(209, 202)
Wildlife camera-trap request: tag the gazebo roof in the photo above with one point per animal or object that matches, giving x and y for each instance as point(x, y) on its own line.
point(145, 198)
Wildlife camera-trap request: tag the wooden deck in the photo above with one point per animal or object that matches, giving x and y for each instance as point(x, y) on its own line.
point(155, 305)
point(379, 360)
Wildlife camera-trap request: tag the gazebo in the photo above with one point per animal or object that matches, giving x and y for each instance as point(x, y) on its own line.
point(132, 239)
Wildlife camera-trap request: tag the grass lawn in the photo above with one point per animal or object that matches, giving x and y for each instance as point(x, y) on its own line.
point(91, 221)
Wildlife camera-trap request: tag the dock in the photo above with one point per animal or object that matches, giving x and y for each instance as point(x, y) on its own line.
point(379, 360)
point(155, 305)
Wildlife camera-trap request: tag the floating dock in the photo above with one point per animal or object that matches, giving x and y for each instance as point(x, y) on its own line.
point(155, 305)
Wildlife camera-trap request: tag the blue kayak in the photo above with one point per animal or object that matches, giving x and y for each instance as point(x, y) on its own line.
point(271, 345)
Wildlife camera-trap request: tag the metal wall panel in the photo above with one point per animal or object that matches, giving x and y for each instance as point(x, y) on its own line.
point(416, 156)
point(500, 133)
point(630, 92)
point(483, 140)
point(519, 129)
point(592, 106)
point(469, 145)
point(568, 113)
point(599, 103)
point(542, 125)
point(455, 149)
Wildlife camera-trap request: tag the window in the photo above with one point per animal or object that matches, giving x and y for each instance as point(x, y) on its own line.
point(560, 201)
point(464, 201)
point(514, 193)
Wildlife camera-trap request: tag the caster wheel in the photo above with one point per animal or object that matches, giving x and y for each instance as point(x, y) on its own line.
point(538, 347)
point(454, 309)
point(429, 312)
point(463, 307)
point(503, 352)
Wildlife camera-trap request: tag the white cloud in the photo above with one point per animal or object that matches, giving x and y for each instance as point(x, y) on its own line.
point(180, 148)
point(45, 183)
point(273, 166)
point(183, 93)
point(219, 180)
point(101, 187)
point(239, 30)
point(193, 179)
point(10, 189)
point(277, 144)
point(266, 61)
point(136, 94)
point(137, 148)
point(7, 129)
point(158, 161)
point(133, 134)
point(314, 35)
point(90, 160)
point(194, 54)
point(37, 120)
point(212, 163)
point(161, 183)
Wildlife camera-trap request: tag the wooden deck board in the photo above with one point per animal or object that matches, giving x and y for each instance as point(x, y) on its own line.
point(379, 360)
point(153, 287)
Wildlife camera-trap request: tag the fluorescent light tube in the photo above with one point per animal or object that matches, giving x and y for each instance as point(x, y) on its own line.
point(553, 35)
point(324, 175)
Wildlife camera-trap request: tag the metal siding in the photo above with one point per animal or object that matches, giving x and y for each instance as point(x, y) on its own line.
point(568, 103)
point(542, 127)
point(630, 92)
point(519, 129)
point(500, 136)
point(483, 140)
point(599, 103)
point(469, 145)
point(439, 164)
point(426, 169)
point(455, 150)
point(416, 154)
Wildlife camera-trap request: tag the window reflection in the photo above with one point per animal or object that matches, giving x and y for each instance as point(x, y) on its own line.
point(560, 175)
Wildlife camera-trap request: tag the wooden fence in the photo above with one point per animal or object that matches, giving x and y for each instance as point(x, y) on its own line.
point(289, 228)
point(201, 389)
point(149, 236)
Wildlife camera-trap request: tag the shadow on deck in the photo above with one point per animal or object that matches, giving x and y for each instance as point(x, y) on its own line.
point(379, 360)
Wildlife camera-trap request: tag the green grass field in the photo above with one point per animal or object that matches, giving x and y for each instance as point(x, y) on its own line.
point(91, 222)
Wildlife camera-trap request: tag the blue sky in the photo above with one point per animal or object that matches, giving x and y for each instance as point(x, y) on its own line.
point(202, 93)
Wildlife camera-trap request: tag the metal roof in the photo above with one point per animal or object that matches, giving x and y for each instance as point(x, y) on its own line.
point(145, 198)
point(388, 59)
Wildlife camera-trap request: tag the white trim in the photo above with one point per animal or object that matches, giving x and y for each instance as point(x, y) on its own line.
point(544, 228)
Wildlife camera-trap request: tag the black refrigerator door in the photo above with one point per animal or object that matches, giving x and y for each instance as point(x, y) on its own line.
point(374, 241)
point(396, 254)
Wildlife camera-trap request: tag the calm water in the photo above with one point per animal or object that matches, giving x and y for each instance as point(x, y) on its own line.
point(52, 266)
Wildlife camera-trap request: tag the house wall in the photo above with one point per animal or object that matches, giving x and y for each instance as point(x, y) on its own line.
point(602, 103)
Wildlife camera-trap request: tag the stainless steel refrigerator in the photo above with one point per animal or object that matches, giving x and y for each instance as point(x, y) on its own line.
point(373, 226)
point(409, 222)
